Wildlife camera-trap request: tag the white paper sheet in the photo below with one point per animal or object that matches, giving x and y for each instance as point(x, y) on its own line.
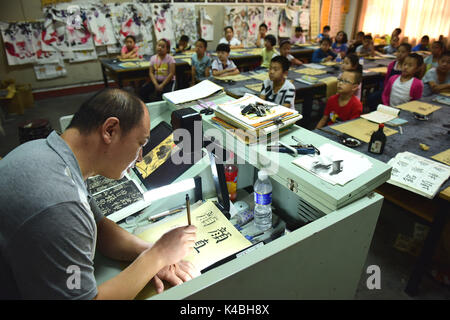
point(353, 165)
point(382, 114)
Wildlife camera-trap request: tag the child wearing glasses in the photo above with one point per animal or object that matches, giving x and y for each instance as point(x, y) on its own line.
point(344, 105)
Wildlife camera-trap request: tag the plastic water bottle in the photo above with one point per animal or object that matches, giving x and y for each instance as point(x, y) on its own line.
point(263, 201)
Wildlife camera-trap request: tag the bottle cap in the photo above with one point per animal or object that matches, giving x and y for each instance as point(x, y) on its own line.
point(381, 125)
point(262, 175)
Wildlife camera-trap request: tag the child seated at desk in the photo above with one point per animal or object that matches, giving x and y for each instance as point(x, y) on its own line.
point(393, 45)
point(423, 45)
point(344, 105)
point(353, 44)
point(161, 72)
point(268, 52)
point(298, 37)
point(201, 62)
point(229, 39)
point(223, 66)
point(285, 51)
point(366, 48)
point(351, 63)
point(324, 53)
point(183, 44)
point(277, 88)
point(437, 80)
point(395, 67)
point(437, 49)
point(404, 87)
point(130, 49)
point(262, 31)
point(340, 44)
point(325, 34)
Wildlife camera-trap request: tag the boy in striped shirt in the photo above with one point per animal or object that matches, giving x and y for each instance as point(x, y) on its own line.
point(277, 88)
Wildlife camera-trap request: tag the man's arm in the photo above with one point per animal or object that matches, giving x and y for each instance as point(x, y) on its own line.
point(168, 250)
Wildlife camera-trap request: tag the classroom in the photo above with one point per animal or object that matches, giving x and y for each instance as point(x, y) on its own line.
point(289, 133)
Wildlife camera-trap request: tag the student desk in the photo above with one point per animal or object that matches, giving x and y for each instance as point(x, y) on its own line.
point(322, 259)
point(434, 211)
point(243, 58)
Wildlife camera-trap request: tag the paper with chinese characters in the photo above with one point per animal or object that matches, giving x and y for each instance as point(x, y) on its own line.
point(216, 239)
point(418, 174)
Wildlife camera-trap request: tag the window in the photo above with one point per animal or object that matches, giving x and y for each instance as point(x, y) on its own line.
point(415, 17)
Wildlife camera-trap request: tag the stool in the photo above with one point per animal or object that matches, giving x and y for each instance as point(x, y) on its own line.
point(34, 129)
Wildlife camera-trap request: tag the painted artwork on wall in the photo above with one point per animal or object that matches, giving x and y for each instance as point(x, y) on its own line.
point(185, 22)
point(236, 16)
point(162, 22)
point(100, 25)
point(271, 17)
point(53, 35)
point(255, 18)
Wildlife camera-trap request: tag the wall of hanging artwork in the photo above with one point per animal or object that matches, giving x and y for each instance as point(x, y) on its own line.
point(78, 32)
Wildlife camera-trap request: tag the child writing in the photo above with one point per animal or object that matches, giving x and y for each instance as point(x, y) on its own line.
point(261, 35)
point(201, 62)
point(344, 105)
point(437, 80)
point(298, 37)
point(323, 54)
point(268, 52)
point(285, 51)
point(223, 66)
point(183, 44)
point(351, 63)
point(130, 49)
point(340, 44)
point(404, 87)
point(161, 72)
point(277, 88)
point(229, 39)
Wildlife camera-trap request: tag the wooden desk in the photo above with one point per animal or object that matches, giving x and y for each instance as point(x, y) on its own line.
point(433, 211)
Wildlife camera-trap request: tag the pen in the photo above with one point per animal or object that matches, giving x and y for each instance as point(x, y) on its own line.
point(188, 208)
point(166, 213)
point(287, 150)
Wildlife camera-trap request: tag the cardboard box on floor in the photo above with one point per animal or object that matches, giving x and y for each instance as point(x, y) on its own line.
point(19, 96)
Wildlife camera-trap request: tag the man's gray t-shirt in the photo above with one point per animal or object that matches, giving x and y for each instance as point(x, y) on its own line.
point(47, 229)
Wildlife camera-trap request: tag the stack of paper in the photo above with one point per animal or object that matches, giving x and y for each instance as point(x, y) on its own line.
point(382, 114)
point(276, 118)
point(418, 174)
point(352, 165)
point(419, 107)
point(201, 90)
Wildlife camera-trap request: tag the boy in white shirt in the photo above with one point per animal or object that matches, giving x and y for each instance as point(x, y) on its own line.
point(229, 39)
point(223, 66)
point(277, 88)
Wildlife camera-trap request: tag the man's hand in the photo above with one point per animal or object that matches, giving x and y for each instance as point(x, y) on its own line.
point(174, 245)
point(175, 274)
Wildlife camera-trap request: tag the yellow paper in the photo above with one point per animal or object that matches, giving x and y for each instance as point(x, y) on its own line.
point(361, 129)
point(216, 238)
point(443, 157)
point(382, 70)
point(419, 107)
point(255, 86)
point(236, 77)
point(331, 83)
point(310, 71)
point(256, 52)
point(260, 76)
point(329, 63)
point(447, 94)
